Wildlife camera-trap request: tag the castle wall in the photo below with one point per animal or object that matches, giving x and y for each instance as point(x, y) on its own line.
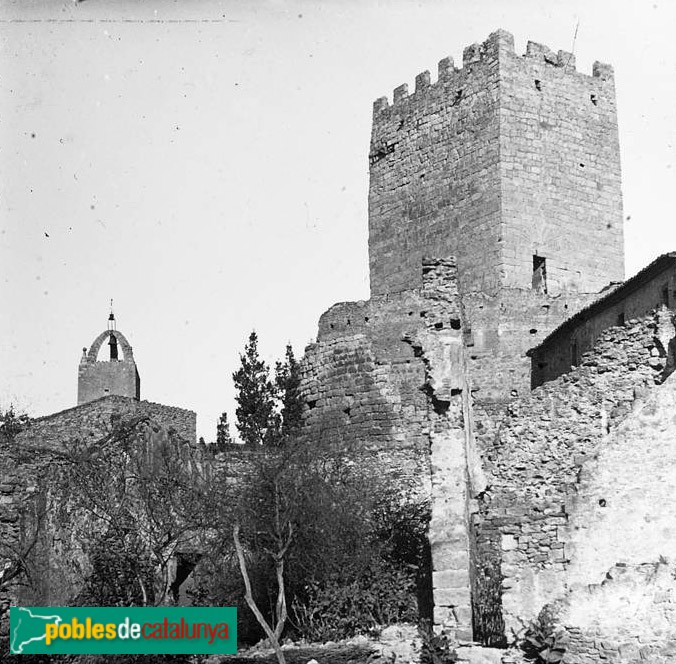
point(32, 466)
point(361, 383)
point(385, 382)
point(624, 510)
point(533, 462)
point(652, 287)
point(621, 600)
point(500, 329)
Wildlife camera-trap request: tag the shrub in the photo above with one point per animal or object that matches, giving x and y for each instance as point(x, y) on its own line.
point(435, 648)
point(543, 642)
point(337, 609)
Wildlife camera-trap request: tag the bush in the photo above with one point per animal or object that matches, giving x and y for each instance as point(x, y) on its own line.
point(543, 642)
point(336, 610)
point(435, 648)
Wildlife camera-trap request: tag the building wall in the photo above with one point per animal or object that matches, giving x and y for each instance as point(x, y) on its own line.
point(619, 539)
point(101, 379)
point(555, 356)
point(32, 466)
point(94, 419)
point(501, 329)
point(506, 158)
point(115, 377)
point(534, 461)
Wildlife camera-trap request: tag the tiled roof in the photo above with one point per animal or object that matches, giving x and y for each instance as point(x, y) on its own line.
point(613, 297)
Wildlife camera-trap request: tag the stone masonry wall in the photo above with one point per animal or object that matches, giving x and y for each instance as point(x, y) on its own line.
point(434, 176)
point(101, 379)
point(620, 540)
point(506, 158)
point(534, 457)
point(560, 172)
point(28, 466)
point(385, 382)
point(115, 377)
point(499, 331)
point(92, 420)
point(361, 383)
point(631, 300)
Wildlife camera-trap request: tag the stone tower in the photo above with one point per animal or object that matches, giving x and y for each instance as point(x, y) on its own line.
point(495, 214)
point(117, 376)
point(511, 164)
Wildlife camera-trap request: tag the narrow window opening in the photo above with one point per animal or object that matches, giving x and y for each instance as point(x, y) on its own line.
point(665, 295)
point(595, 100)
point(538, 85)
point(574, 354)
point(458, 95)
point(540, 274)
point(112, 342)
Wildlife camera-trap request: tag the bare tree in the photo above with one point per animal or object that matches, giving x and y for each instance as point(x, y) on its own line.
point(143, 480)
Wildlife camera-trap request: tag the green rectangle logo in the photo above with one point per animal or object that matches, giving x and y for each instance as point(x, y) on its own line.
point(74, 630)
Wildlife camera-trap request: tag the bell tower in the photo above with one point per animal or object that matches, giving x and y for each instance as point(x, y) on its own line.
point(116, 375)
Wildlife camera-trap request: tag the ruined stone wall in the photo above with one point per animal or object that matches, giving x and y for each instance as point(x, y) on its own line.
point(555, 356)
point(27, 468)
point(534, 458)
point(506, 158)
point(500, 329)
point(361, 383)
point(386, 383)
point(628, 617)
point(620, 542)
point(36, 493)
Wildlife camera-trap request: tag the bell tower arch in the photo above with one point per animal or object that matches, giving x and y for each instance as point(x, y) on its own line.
point(117, 374)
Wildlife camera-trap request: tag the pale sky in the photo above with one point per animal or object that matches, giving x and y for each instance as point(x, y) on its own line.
point(205, 164)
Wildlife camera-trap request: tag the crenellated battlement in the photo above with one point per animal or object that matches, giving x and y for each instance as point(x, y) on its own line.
point(506, 162)
point(499, 44)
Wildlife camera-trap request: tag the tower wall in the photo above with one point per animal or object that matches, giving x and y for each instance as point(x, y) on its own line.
point(101, 379)
point(560, 172)
point(506, 158)
point(434, 178)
